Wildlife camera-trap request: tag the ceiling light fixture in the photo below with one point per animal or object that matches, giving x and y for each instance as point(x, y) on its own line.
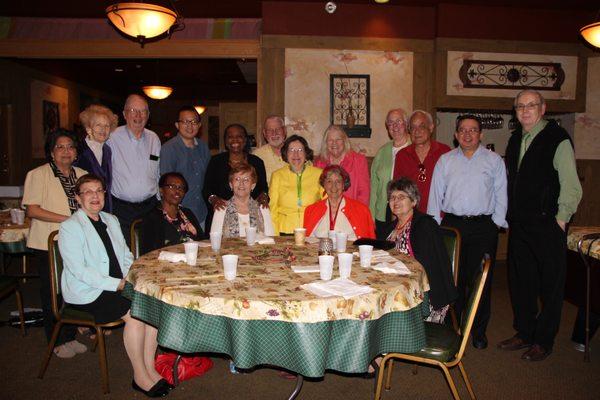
point(381, 1)
point(144, 21)
point(157, 92)
point(200, 109)
point(591, 34)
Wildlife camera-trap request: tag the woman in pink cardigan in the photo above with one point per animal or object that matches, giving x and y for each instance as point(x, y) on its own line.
point(336, 150)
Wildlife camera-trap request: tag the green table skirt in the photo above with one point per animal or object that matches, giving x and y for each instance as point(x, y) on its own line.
point(305, 348)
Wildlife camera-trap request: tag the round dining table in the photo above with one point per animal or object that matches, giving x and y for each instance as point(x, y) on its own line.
point(264, 317)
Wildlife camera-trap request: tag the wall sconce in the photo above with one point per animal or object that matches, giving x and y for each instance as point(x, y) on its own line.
point(144, 21)
point(157, 92)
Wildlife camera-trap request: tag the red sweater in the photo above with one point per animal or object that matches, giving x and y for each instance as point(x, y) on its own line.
point(356, 212)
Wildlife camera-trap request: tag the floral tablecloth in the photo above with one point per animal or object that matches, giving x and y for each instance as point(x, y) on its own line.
point(265, 318)
point(266, 288)
point(10, 232)
point(576, 233)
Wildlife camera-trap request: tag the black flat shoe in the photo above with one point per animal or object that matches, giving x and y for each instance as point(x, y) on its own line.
point(480, 342)
point(158, 390)
point(166, 384)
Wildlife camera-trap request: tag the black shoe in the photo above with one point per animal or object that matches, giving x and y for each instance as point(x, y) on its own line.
point(167, 384)
point(158, 390)
point(480, 342)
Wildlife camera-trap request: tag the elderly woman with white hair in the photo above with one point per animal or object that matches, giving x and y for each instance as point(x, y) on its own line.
point(336, 150)
point(94, 154)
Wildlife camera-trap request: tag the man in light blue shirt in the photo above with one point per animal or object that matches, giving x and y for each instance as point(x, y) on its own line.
point(135, 155)
point(188, 155)
point(469, 189)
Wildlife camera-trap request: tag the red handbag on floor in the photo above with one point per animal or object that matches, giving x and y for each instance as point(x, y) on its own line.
point(188, 367)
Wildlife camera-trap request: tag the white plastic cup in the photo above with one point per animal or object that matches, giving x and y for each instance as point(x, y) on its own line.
point(230, 262)
point(191, 252)
point(13, 215)
point(333, 239)
point(326, 267)
point(366, 253)
point(20, 216)
point(345, 264)
point(215, 240)
point(341, 238)
point(299, 236)
point(250, 235)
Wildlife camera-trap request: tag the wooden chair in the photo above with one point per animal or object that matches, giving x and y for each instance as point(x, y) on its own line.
point(7, 286)
point(12, 249)
point(66, 315)
point(452, 241)
point(445, 347)
point(135, 233)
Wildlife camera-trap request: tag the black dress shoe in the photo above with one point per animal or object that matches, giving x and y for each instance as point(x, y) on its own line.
point(158, 390)
point(513, 343)
point(166, 384)
point(536, 353)
point(480, 342)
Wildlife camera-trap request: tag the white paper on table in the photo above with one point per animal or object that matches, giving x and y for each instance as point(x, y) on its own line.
point(337, 287)
point(396, 267)
point(204, 243)
point(265, 240)
point(170, 256)
point(301, 269)
point(379, 256)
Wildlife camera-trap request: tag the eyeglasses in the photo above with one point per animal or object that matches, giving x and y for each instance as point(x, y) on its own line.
point(90, 193)
point(181, 188)
point(414, 128)
point(136, 111)
point(523, 107)
point(398, 197)
point(395, 122)
point(190, 122)
point(422, 177)
point(273, 131)
point(63, 147)
point(240, 179)
point(298, 150)
point(462, 131)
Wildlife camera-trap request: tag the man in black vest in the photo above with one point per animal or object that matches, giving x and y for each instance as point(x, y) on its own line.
point(543, 194)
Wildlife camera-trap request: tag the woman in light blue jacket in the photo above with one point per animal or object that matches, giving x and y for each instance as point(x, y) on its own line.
point(96, 260)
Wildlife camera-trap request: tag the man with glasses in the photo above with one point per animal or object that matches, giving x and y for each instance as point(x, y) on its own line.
point(189, 155)
point(274, 133)
point(543, 194)
point(416, 162)
point(135, 154)
point(469, 189)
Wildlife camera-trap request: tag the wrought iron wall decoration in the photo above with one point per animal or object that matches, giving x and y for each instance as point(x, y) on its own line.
point(486, 74)
point(488, 120)
point(350, 103)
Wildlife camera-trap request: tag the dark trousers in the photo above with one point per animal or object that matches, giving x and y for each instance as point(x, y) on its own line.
point(479, 236)
point(128, 212)
point(578, 335)
point(68, 332)
point(537, 268)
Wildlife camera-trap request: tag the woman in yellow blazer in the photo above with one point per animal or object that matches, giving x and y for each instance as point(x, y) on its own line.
point(293, 187)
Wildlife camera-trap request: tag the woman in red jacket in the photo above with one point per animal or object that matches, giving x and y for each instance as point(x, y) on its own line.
point(338, 212)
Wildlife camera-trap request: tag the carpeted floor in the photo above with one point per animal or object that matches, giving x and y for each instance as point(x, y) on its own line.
point(495, 374)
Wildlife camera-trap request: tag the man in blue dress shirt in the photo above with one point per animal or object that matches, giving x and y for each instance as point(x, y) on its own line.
point(469, 188)
point(188, 155)
point(135, 154)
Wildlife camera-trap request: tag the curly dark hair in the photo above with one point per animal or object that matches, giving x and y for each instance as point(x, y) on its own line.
point(335, 169)
point(162, 182)
point(308, 153)
point(53, 138)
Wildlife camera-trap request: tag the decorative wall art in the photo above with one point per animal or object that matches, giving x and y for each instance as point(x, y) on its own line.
point(350, 107)
point(49, 111)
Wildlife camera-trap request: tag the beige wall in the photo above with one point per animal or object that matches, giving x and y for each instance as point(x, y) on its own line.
point(307, 90)
point(587, 125)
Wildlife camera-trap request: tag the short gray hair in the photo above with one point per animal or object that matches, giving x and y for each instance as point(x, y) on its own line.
point(425, 113)
point(530, 91)
point(407, 186)
point(276, 118)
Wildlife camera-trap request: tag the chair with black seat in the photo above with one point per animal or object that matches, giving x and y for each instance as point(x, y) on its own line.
point(135, 233)
point(452, 241)
point(445, 347)
point(66, 315)
point(9, 285)
point(12, 249)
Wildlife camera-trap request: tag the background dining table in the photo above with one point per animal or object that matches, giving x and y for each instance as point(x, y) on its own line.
point(264, 317)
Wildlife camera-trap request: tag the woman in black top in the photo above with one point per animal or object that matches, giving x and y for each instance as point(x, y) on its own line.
point(169, 223)
point(216, 189)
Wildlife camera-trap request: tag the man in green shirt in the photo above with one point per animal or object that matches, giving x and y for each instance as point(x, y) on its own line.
point(543, 194)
